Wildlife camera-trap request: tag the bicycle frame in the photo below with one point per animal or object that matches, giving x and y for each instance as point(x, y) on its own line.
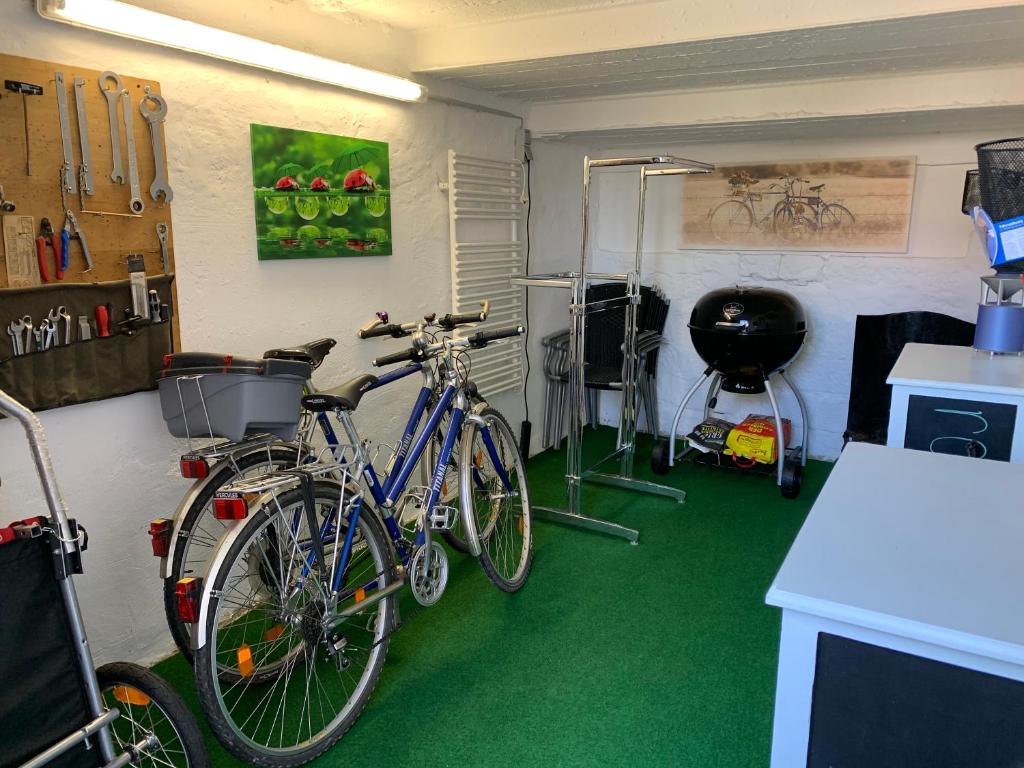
point(385, 492)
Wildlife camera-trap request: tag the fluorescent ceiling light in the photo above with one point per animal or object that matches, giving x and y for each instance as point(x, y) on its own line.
point(136, 23)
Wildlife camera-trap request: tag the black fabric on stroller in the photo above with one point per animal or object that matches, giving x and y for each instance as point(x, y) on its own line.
point(41, 692)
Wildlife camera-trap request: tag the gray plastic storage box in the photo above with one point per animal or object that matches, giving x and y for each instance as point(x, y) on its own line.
point(210, 395)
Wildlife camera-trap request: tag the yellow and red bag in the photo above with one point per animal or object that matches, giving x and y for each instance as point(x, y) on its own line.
point(754, 438)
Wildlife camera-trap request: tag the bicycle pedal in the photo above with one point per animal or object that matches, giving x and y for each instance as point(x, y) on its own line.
point(443, 518)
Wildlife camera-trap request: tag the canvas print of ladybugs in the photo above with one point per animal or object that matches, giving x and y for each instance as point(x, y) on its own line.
point(319, 195)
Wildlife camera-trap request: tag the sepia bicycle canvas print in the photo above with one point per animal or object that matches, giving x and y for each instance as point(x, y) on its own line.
point(859, 205)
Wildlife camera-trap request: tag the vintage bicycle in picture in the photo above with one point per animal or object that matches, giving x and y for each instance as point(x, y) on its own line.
point(795, 216)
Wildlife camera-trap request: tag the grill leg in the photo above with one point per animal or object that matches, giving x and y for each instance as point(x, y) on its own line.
point(803, 417)
point(780, 441)
point(679, 415)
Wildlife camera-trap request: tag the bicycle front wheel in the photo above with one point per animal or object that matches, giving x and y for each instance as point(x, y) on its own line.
point(151, 713)
point(274, 610)
point(494, 489)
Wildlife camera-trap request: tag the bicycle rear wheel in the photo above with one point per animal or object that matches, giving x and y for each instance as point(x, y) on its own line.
point(494, 489)
point(150, 710)
point(201, 531)
point(271, 612)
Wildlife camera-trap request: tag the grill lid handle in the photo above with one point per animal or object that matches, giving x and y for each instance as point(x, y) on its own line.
point(739, 325)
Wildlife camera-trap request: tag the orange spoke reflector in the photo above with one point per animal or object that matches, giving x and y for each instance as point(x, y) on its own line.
point(444, 488)
point(273, 633)
point(478, 459)
point(128, 695)
point(360, 595)
point(521, 526)
point(245, 666)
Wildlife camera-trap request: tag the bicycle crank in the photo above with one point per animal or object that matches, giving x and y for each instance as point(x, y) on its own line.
point(428, 573)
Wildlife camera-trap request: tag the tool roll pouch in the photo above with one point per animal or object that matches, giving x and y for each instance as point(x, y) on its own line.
point(82, 371)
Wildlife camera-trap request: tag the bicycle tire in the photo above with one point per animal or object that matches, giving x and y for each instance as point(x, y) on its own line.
point(514, 527)
point(734, 219)
point(209, 678)
point(114, 679)
point(790, 225)
point(223, 473)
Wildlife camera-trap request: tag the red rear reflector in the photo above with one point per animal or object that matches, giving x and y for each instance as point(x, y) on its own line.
point(193, 467)
point(188, 591)
point(230, 506)
point(160, 536)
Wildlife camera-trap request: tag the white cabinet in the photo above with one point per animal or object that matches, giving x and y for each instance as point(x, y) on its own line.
point(958, 400)
point(910, 564)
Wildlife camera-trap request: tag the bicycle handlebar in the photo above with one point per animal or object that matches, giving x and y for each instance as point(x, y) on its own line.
point(449, 321)
point(386, 329)
point(478, 340)
point(379, 327)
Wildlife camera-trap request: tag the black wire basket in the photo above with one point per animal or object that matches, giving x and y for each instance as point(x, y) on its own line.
point(1001, 178)
point(972, 195)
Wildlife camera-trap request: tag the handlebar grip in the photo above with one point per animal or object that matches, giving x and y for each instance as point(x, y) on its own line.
point(387, 329)
point(449, 321)
point(398, 357)
point(483, 338)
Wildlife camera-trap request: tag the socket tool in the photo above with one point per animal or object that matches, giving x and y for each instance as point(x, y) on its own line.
point(69, 183)
point(26, 90)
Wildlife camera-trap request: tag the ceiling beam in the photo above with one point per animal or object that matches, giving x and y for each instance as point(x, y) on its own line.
point(985, 88)
point(661, 22)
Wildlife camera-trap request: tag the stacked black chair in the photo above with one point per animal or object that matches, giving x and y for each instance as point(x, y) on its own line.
point(604, 357)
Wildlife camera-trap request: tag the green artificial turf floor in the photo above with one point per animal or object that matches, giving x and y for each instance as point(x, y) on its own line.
point(661, 654)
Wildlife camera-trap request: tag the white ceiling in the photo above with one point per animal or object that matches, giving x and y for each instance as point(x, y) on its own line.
point(428, 14)
point(941, 41)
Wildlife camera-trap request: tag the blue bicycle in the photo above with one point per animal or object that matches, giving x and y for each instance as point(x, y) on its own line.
point(292, 620)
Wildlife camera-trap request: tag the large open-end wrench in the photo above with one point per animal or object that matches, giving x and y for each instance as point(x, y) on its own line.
point(112, 95)
point(67, 170)
point(154, 117)
point(135, 203)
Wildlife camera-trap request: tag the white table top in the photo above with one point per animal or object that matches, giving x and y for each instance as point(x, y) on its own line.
point(963, 368)
point(921, 545)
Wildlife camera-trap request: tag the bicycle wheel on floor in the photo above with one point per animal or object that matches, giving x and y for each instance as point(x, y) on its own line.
point(201, 531)
point(152, 713)
point(494, 488)
point(272, 612)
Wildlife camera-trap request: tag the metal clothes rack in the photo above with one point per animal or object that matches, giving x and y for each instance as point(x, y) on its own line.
point(576, 282)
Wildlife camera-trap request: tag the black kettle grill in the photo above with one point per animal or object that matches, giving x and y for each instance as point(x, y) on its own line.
point(746, 333)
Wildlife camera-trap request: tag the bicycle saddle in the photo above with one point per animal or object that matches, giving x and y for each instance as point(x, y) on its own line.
point(816, 187)
point(312, 352)
point(346, 397)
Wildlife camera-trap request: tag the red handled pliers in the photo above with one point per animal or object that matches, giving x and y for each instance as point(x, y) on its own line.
point(46, 233)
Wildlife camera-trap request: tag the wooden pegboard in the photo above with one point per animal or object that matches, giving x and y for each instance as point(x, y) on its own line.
point(110, 237)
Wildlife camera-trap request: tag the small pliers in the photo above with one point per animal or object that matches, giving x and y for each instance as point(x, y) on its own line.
point(46, 233)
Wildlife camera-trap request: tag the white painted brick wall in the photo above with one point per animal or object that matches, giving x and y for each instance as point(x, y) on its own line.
point(114, 458)
point(939, 273)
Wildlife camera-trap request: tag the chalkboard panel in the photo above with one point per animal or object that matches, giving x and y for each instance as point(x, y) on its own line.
point(960, 427)
point(879, 708)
